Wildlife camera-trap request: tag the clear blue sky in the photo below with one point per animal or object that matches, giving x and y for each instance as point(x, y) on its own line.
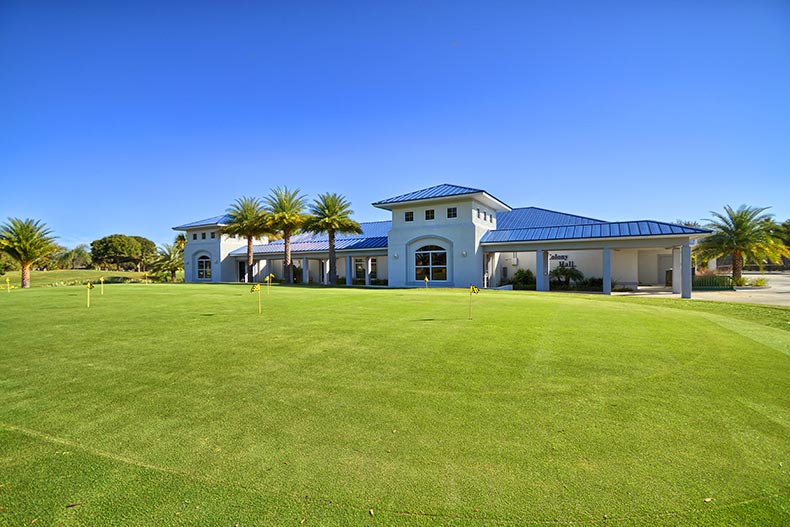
point(134, 117)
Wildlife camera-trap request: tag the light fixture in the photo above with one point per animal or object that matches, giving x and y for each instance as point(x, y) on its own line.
point(395, 255)
point(463, 253)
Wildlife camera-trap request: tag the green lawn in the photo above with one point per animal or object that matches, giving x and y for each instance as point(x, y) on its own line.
point(179, 405)
point(70, 277)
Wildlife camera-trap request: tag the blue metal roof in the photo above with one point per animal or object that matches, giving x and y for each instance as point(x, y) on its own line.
point(216, 220)
point(529, 217)
point(374, 236)
point(439, 191)
point(617, 229)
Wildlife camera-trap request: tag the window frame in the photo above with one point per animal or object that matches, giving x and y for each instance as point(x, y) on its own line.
point(203, 267)
point(436, 268)
point(452, 212)
point(408, 216)
point(431, 213)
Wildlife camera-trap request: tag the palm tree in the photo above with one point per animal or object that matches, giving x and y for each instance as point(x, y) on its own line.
point(76, 258)
point(170, 260)
point(331, 213)
point(26, 241)
point(248, 219)
point(181, 241)
point(745, 233)
point(566, 274)
point(285, 209)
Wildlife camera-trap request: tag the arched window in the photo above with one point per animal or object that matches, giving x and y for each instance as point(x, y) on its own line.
point(204, 268)
point(430, 261)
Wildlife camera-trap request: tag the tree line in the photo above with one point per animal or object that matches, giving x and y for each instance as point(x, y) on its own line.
point(27, 244)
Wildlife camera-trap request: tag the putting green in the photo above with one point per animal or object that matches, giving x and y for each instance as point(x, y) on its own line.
point(178, 404)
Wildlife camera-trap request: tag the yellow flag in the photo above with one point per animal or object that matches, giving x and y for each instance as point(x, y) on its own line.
point(90, 285)
point(254, 288)
point(473, 289)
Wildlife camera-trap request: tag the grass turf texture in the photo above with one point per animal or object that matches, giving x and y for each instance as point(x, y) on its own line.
point(178, 405)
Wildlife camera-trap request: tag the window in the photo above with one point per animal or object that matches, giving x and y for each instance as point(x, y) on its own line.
point(204, 268)
point(429, 214)
point(202, 235)
point(409, 216)
point(478, 213)
point(213, 235)
point(504, 273)
point(194, 236)
point(430, 261)
point(491, 218)
point(452, 212)
point(485, 215)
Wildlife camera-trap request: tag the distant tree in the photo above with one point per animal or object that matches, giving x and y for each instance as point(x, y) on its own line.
point(784, 234)
point(249, 220)
point(170, 260)
point(76, 258)
point(116, 249)
point(26, 241)
point(331, 213)
point(286, 212)
point(52, 260)
point(689, 223)
point(746, 234)
point(7, 263)
point(148, 252)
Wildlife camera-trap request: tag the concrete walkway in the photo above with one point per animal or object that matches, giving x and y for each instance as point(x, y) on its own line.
point(777, 293)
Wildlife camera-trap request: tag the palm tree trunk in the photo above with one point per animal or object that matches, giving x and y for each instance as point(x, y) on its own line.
point(25, 276)
point(737, 265)
point(287, 243)
point(172, 276)
point(250, 259)
point(332, 259)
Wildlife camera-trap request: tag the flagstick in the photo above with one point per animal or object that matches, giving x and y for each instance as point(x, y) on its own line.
point(89, 296)
point(8, 284)
point(259, 301)
point(470, 303)
point(102, 285)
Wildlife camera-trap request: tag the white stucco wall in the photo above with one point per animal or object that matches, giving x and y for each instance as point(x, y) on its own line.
point(223, 267)
point(459, 236)
point(589, 262)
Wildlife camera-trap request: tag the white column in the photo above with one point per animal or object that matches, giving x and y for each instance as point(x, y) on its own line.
point(685, 257)
point(326, 271)
point(607, 271)
point(486, 270)
point(676, 270)
point(367, 270)
point(542, 270)
point(305, 270)
point(349, 270)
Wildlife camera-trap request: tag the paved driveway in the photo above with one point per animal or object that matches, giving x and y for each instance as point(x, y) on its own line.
point(777, 292)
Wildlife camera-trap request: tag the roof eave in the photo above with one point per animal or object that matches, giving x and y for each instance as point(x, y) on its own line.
point(691, 236)
point(496, 204)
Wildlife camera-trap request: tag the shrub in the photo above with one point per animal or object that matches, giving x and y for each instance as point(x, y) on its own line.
point(523, 279)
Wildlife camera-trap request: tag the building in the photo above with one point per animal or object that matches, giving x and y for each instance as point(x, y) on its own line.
point(456, 237)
